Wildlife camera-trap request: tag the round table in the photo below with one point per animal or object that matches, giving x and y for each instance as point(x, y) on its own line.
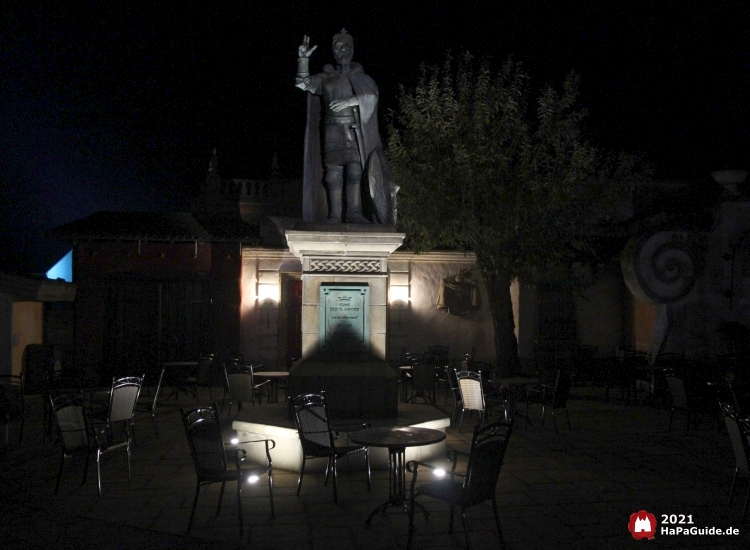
point(274, 376)
point(396, 439)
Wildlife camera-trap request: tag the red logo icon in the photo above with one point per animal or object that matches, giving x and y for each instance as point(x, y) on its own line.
point(642, 525)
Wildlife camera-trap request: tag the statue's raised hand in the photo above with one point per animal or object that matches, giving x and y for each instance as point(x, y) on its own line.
point(305, 50)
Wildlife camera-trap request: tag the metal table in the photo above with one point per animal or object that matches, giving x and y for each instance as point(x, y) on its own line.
point(274, 376)
point(179, 379)
point(396, 439)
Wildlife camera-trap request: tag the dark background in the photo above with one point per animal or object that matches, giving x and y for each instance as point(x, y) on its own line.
point(113, 106)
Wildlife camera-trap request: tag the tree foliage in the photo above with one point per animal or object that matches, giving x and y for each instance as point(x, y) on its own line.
point(483, 169)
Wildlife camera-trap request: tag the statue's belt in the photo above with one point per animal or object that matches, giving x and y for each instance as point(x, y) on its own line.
point(340, 146)
point(339, 120)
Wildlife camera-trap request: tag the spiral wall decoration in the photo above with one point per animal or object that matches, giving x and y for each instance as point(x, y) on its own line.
point(660, 268)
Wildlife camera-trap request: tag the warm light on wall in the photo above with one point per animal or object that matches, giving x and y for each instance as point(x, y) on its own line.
point(399, 293)
point(268, 292)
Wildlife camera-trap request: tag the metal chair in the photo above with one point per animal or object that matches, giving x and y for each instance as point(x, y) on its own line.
point(423, 381)
point(680, 401)
point(552, 396)
point(240, 386)
point(123, 397)
point(472, 395)
point(203, 375)
point(318, 438)
point(450, 373)
point(485, 459)
point(78, 439)
point(203, 430)
point(584, 371)
point(12, 406)
point(738, 433)
point(75, 437)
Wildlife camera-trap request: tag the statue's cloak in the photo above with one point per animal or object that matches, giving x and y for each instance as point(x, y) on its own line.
point(377, 170)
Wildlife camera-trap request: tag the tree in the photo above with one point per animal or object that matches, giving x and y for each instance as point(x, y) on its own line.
point(480, 170)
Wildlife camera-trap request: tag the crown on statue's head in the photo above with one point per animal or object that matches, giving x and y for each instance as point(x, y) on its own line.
point(342, 36)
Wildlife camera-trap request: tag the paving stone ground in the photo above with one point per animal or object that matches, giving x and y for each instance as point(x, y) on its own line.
point(573, 489)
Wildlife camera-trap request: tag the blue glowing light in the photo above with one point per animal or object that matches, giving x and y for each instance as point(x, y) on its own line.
point(63, 269)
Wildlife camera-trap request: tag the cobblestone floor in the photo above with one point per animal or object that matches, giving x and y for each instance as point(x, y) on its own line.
point(573, 489)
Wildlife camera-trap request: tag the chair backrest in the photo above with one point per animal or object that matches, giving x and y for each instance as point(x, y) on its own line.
point(203, 431)
point(677, 390)
point(485, 369)
point(70, 420)
point(470, 384)
point(311, 417)
point(437, 355)
point(739, 443)
point(240, 382)
point(423, 376)
point(453, 380)
point(563, 382)
point(488, 446)
point(122, 398)
point(205, 366)
point(11, 394)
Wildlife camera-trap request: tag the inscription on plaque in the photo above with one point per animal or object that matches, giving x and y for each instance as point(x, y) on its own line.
point(344, 310)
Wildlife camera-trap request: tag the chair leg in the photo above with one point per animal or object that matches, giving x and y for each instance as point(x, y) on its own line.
point(153, 419)
point(301, 473)
point(567, 416)
point(239, 501)
point(527, 414)
point(335, 488)
point(497, 522)
point(731, 489)
point(62, 463)
point(411, 524)
point(671, 414)
point(99, 470)
point(367, 463)
point(127, 448)
point(85, 470)
point(544, 413)
point(466, 529)
point(554, 419)
point(270, 490)
point(221, 497)
point(328, 471)
point(461, 424)
point(195, 502)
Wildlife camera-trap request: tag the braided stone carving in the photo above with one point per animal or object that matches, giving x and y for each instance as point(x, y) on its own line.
point(345, 266)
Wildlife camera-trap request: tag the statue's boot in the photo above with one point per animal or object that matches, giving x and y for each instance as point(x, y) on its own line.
point(335, 196)
point(354, 205)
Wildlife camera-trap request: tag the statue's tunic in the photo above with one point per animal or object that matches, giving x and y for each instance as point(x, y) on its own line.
point(340, 140)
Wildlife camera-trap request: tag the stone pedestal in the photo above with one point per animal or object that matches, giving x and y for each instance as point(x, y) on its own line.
point(358, 380)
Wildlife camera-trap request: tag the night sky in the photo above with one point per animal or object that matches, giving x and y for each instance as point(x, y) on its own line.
point(112, 106)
